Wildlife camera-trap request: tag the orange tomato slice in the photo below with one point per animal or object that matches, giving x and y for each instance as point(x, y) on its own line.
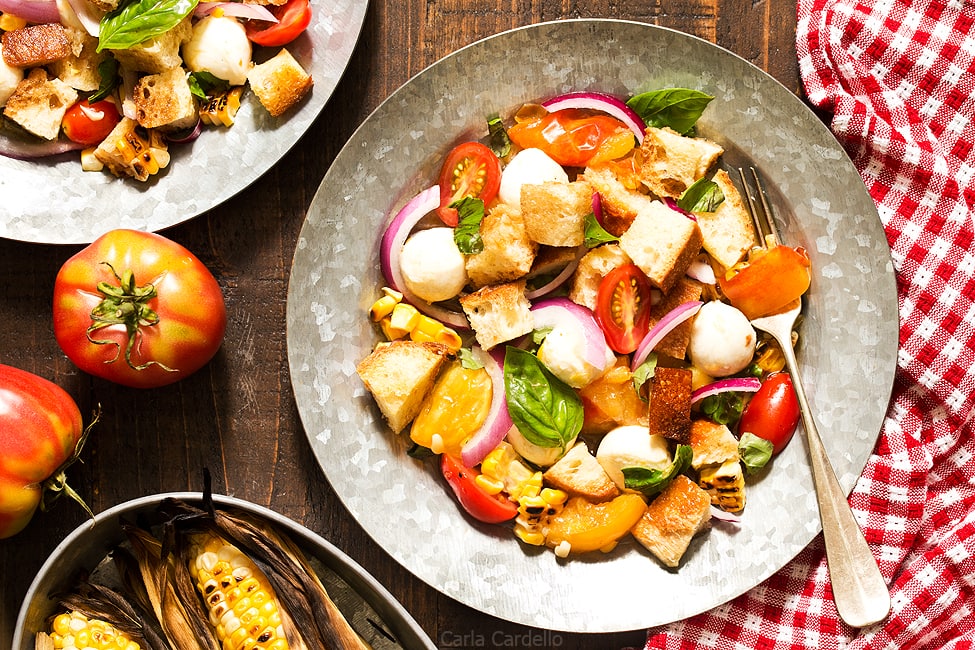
point(456, 407)
point(769, 282)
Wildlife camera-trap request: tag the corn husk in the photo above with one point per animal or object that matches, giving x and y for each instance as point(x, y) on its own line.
point(104, 603)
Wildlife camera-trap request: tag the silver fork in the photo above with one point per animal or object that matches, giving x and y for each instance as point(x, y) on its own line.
point(859, 590)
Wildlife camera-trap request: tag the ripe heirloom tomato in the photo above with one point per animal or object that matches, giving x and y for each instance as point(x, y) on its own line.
point(769, 282)
point(41, 433)
point(489, 508)
point(773, 412)
point(470, 169)
point(573, 137)
point(138, 309)
point(294, 16)
point(89, 124)
point(623, 307)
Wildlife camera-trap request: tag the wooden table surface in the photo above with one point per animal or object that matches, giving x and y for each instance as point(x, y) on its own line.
point(237, 416)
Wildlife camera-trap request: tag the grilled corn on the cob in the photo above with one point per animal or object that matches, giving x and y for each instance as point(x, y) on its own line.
point(75, 631)
point(726, 485)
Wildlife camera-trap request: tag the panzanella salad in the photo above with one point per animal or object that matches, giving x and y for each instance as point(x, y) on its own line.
point(566, 324)
point(119, 80)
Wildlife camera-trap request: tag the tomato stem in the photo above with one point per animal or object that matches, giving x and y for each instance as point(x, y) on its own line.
point(57, 483)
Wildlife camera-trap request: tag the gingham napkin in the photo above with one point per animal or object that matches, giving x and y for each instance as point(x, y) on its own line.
point(898, 79)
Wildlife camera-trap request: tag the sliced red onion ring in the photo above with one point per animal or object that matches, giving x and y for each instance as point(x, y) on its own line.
point(21, 149)
point(600, 102)
point(736, 384)
point(87, 16)
point(562, 312)
point(597, 209)
point(671, 203)
point(665, 326)
point(701, 270)
point(236, 9)
point(33, 11)
point(721, 515)
point(187, 135)
point(498, 420)
point(557, 281)
point(392, 245)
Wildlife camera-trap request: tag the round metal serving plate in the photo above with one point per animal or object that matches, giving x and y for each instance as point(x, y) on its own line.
point(54, 201)
point(365, 603)
point(848, 344)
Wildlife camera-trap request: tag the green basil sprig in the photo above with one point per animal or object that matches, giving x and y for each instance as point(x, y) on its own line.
point(108, 80)
point(545, 410)
point(651, 481)
point(595, 234)
point(500, 142)
point(136, 22)
point(755, 452)
point(703, 195)
point(467, 233)
point(678, 108)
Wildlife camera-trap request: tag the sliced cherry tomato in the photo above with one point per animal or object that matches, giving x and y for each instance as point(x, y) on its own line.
point(773, 412)
point(574, 137)
point(86, 123)
point(294, 16)
point(769, 282)
point(623, 307)
point(489, 508)
point(471, 169)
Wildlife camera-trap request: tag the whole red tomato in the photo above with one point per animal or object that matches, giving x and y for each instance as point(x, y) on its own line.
point(40, 435)
point(138, 309)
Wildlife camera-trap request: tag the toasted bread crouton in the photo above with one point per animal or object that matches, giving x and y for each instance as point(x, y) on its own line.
point(35, 45)
point(165, 101)
point(713, 444)
point(555, 212)
point(399, 375)
point(670, 404)
point(728, 232)
point(663, 243)
point(671, 162)
point(593, 267)
point(498, 313)
point(675, 343)
point(578, 473)
point(38, 104)
point(80, 68)
point(279, 83)
point(672, 520)
point(508, 252)
point(619, 203)
point(159, 53)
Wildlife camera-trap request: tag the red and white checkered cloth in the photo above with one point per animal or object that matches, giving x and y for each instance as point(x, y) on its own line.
point(898, 78)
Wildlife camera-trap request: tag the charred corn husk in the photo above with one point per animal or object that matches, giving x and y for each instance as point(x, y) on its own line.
point(726, 485)
point(75, 631)
point(398, 319)
point(222, 108)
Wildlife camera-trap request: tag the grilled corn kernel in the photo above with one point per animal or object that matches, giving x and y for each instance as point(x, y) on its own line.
point(382, 308)
point(10, 22)
point(390, 332)
point(725, 484)
point(406, 317)
point(76, 631)
point(488, 484)
point(431, 330)
point(222, 107)
point(89, 162)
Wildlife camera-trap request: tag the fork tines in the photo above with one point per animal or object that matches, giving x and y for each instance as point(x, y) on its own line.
point(760, 209)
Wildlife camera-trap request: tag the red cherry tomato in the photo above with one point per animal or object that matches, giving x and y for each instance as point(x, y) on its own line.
point(470, 169)
point(574, 137)
point(89, 124)
point(489, 508)
point(294, 16)
point(623, 307)
point(773, 412)
point(137, 309)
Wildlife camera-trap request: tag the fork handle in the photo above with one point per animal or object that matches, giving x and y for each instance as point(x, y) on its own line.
point(859, 589)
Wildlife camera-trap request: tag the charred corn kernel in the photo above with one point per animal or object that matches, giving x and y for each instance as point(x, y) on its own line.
point(382, 308)
point(390, 332)
point(436, 443)
point(536, 507)
point(222, 107)
point(242, 607)
point(488, 484)
point(144, 157)
point(563, 549)
point(406, 317)
point(76, 631)
point(725, 484)
point(10, 22)
point(529, 537)
point(450, 338)
point(503, 463)
point(429, 329)
point(89, 162)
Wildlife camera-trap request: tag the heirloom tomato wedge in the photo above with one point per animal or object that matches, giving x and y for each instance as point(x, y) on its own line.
point(41, 434)
point(572, 137)
point(138, 309)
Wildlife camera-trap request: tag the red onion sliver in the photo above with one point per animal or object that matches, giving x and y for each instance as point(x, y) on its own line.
point(665, 326)
point(737, 384)
point(236, 9)
point(721, 515)
point(557, 281)
point(701, 270)
point(555, 312)
point(600, 102)
point(671, 203)
point(20, 149)
point(597, 209)
point(187, 135)
point(33, 11)
point(498, 421)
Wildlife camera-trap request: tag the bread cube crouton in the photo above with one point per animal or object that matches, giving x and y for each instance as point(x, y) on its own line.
point(593, 267)
point(498, 313)
point(35, 45)
point(663, 243)
point(712, 443)
point(670, 404)
point(159, 53)
point(165, 101)
point(672, 520)
point(38, 104)
point(672, 162)
point(578, 473)
point(80, 68)
point(555, 212)
point(279, 83)
point(728, 232)
point(619, 203)
point(676, 341)
point(399, 375)
point(508, 252)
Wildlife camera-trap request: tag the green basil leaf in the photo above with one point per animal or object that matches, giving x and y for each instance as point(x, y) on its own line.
point(467, 234)
point(500, 143)
point(467, 359)
point(595, 234)
point(703, 195)
point(108, 75)
point(678, 108)
point(545, 410)
point(135, 22)
point(204, 84)
point(651, 481)
point(755, 452)
point(724, 408)
point(644, 373)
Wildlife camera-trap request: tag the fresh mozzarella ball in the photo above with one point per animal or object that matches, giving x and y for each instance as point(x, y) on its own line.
point(722, 340)
point(9, 78)
point(563, 352)
point(219, 45)
point(432, 265)
point(528, 167)
point(632, 446)
point(541, 456)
